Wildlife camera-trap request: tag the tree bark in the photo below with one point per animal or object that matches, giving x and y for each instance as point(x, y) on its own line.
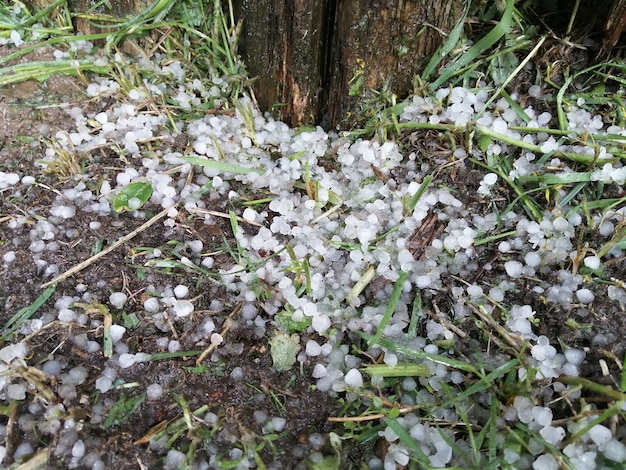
point(383, 44)
point(308, 55)
point(282, 44)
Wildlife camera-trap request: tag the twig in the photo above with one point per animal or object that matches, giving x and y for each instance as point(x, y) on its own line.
point(227, 324)
point(223, 215)
point(358, 419)
point(79, 267)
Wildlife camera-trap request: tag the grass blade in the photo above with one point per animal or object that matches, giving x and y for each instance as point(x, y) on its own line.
point(221, 166)
point(391, 308)
point(501, 29)
point(446, 47)
point(24, 314)
point(408, 441)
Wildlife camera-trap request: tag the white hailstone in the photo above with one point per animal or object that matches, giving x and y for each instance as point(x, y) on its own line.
point(616, 293)
point(570, 369)
point(17, 40)
point(319, 371)
point(504, 247)
point(313, 348)
point(104, 384)
point(353, 378)
point(216, 339)
point(13, 351)
point(28, 180)
point(66, 315)
point(8, 257)
point(606, 228)
point(474, 290)
point(37, 246)
point(535, 91)
point(151, 305)
point(511, 456)
point(24, 449)
point(126, 360)
point(8, 179)
point(592, 262)
point(542, 415)
point(600, 435)
point(182, 308)
point(316, 440)
point(16, 391)
point(584, 296)
point(118, 299)
point(552, 435)
point(195, 245)
point(561, 224)
point(514, 268)
point(154, 391)
point(545, 462)
point(181, 291)
point(117, 332)
point(615, 451)
point(259, 416)
point(76, 375)
point(574, 356)
point(237, 373)
point(134, 203)
point(174, 460)
point(423, 281)
point(543, 350)
point(400, 455)
point(486, 184)
point(51, 367)
point(249, 214)
point(278, 423)
point(532, 259)
point(78, 449)
point(122, 179)
point(390, 359)
point(321, 323)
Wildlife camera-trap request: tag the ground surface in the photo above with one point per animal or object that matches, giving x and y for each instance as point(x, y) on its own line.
point(30, 112)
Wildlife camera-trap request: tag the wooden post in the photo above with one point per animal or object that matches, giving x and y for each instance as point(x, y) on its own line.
point(381, 43)
point(282, 44)
point(308, 54)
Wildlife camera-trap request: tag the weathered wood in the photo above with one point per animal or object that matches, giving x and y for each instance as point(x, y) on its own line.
point(282, 45)
point(614, 27)
point(306, 54)
point(383, 41)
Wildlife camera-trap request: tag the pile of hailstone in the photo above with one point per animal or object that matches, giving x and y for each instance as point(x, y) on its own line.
point(340, 244)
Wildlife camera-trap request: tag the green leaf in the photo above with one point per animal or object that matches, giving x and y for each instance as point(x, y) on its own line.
point(285, 321)
point(220, 166)
point(132, 197)
point(123, 409)
point(130, 320)
point(502, 66)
